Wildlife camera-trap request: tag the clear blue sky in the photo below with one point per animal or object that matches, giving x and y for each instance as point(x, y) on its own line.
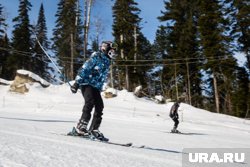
point(150, 10)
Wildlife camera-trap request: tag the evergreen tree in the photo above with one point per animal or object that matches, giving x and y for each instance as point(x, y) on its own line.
point(241, 26)
point(3, 25)
point(21, 40)
point(160, 43)
point(40, 60)
point(67, 37)
point(241, 93)
point(182, 48)
point(4, 54)
point(216, 47)
point(143, 52)
point(126, 31)
point(95, 45)
point(163, 73)
point(174, 18)
point(238, 13)
point(4, 46)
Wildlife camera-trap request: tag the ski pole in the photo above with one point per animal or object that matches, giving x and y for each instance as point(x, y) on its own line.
point(51, 59)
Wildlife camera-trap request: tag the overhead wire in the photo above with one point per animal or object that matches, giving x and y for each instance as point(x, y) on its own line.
point(163, 62)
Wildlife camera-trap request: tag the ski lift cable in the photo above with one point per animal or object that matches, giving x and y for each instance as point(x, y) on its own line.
point(51, 60)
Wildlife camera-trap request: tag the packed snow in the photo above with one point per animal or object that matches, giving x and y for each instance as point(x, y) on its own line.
point(33, 128)
point(5, 82)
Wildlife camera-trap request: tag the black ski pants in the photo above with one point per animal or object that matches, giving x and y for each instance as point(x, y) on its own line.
point(176, 122)
point(93, 99)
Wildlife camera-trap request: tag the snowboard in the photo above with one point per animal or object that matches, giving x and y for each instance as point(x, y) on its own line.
point(90, 137)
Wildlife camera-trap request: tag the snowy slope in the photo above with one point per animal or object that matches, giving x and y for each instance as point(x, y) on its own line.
point(33, 128)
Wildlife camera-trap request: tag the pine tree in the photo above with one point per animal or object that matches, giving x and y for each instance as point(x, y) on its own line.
point(160, 73)
point(143, 52)
point(67, 37)
point(4, 46)
point(95, 45)
point(4, 54)
point(216, 47)
point(87, 12)
point(182, 48)
point(125, 30)
point(239, 11)
point(21, 40)
point(241, 93)
point(3, 25)
point(241, 26)
point(40, 60)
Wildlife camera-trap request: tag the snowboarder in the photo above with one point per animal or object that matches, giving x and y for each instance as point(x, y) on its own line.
point(174, 116)
point(90, 80)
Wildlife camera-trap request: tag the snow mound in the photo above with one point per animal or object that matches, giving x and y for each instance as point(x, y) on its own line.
point(5, 82)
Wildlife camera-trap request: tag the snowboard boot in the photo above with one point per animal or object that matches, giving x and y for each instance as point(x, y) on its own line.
point(82, 127)
point(98, 135)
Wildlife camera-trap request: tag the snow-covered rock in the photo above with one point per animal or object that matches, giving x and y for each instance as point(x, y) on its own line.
point(160, 99)
point(139, 91)
point(110, 92)
point(23, 79)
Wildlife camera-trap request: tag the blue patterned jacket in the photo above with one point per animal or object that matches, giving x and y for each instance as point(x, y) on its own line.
point(94, 71)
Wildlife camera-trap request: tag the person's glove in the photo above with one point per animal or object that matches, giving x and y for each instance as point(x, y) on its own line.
point(74, 87)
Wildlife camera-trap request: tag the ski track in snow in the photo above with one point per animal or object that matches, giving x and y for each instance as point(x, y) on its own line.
point(70, 146)
point(33, 128)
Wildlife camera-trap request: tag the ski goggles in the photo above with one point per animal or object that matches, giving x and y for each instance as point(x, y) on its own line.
point(110, 44)
point(113, 46)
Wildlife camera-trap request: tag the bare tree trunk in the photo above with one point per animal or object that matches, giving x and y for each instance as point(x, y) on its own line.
point(119, 80)
point(77, 15)
point(99, 29)
point(111, 75)
point(87, 12)
point(216, 94)
point(72, 57)
point(248, 105)
point(85, 29)
point(135, 43)
point(247, 113)
point(126, 67)
point(127, 79)
point(87, 24)
point(188, 84)
point(122, 50)
point(176, 85)
point(230, 109)
point(162, 88)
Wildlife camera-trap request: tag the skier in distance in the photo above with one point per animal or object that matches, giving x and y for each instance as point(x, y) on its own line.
point(174, 116)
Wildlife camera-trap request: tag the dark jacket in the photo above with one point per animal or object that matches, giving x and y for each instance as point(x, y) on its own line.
point(174, 111)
